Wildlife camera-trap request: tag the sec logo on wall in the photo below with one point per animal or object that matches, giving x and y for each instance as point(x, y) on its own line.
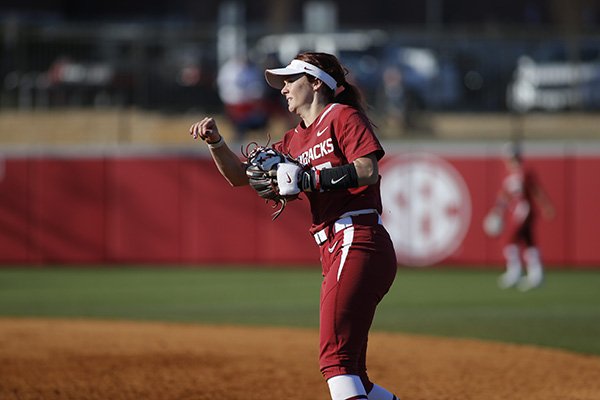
point(426, 207)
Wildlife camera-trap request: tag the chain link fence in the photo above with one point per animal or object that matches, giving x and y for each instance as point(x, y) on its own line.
point(410, 78)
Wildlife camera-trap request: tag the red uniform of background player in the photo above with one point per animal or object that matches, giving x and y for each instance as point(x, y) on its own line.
point(517, 202)
point(336, 141)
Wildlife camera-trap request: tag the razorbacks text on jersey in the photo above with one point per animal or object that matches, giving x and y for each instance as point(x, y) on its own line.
point(338, 136)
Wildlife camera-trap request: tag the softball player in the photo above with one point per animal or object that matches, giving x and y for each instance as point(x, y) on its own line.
point(518, 197)
point(336, 140)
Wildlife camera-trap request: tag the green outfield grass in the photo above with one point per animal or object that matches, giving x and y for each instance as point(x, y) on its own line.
point(564, 313)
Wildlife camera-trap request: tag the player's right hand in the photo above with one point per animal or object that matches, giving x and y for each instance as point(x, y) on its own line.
point(206, 130)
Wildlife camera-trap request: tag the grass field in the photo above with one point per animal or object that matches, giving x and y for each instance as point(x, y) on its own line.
point(564, 313)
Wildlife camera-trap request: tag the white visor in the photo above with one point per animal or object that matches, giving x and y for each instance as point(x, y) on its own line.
point(275, 77)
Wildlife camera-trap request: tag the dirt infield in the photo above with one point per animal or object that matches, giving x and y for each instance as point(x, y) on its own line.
point(81, 359)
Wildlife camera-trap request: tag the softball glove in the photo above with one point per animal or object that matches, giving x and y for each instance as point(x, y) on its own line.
point(261, 169)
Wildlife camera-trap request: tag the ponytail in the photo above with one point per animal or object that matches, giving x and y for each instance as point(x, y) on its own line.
point(350, 95)
point(346, 93)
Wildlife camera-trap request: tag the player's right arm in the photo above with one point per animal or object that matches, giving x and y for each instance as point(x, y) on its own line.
point(227, 162)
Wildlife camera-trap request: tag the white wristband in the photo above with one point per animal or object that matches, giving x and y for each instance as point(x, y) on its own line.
point(287, 179)
point(217, 144)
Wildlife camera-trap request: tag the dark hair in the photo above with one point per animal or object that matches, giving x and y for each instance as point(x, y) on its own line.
point(515, 152)
point(350, 95)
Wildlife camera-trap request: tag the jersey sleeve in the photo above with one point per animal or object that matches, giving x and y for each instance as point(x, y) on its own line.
point(283, 145)
point(279, 146)
point(356, 137)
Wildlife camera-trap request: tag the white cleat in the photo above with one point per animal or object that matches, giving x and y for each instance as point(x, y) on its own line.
point(527, 283)
point(508, 280)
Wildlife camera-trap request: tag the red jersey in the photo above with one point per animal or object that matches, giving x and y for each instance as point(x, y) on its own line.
point(338, 136)
point(518, 187)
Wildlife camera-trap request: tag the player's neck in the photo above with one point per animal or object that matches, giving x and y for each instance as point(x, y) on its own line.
point(310, 113)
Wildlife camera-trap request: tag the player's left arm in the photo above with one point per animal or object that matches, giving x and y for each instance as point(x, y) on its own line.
point(361, 172)
point(543, 200)
point(356, 140)
point(367, 169)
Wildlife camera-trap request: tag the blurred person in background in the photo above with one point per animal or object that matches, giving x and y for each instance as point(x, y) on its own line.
point(242, 90)
point(336, 143)
point(516, 207)
point(394, 94)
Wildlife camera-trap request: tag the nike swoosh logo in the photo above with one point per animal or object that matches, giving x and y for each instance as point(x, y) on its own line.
point(335, 181)
point(289, 178)
point(319, 133)
point(332, 248)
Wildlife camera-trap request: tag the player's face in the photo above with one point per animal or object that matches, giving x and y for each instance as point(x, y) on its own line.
point(298, 92)
point(512, 164)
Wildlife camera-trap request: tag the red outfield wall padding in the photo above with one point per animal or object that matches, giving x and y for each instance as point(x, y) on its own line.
point(172, 210)
point(15, 212)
